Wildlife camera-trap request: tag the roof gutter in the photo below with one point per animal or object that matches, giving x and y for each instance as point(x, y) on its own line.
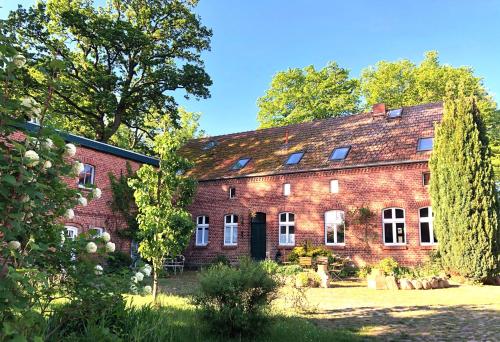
point(358, 166)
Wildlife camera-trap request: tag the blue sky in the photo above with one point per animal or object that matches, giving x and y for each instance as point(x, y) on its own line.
point(255, 39)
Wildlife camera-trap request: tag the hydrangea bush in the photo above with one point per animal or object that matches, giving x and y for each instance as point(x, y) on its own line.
point(38, 265)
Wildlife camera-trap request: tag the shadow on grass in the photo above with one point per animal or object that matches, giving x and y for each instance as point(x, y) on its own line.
point(422, 323)
point(177, 320)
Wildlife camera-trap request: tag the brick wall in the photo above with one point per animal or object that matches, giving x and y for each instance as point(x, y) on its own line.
point(374, 187)
point(98, 212)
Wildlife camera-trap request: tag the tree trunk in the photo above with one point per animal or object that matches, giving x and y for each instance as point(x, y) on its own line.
point(155, 285)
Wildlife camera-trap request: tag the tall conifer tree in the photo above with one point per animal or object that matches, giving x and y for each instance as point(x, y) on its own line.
point(463, 192)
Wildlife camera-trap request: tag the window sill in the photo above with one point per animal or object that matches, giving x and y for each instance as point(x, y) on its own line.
point(429, 246)
point(229, 246)
point(336, 245)
point(395, 247)
point(201, 246)
point(83, 187)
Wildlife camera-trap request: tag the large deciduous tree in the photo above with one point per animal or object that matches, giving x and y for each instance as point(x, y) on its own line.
point(122, 61)
point(463, 194)
point(298, 95)
point(162, 195)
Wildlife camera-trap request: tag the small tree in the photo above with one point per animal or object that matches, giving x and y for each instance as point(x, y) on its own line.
point(463, 192)
point(162, 195)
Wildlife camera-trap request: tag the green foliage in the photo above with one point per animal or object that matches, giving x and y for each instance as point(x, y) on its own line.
point(298, 95)
point(123, 202)
point(220, 259)
point(234, 301)
point(121, 63)
point(308, 250)
point(387, 265)
point(118, 260)
point(463, 195)
point(308, 279)
point(289, 270)
point(162, 196)
point(364, 271)
point(270, 266)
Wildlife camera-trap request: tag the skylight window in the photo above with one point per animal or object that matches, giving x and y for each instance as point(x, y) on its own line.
point(340, 153)
point(241, 163)
point(424, 144)
point(294, 158)
point(395, 113)
point(209, 145)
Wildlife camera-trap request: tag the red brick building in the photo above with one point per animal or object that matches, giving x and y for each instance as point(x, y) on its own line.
point(99, 161)
point(269, 190)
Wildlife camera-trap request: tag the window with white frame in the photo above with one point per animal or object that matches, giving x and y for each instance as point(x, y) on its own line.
point(202, 230)
point(71, 232)
point(231, 230)
point(334, 186)
point(86, 177)
point(287, 229)
point(287, 189)
point(96, 231)
point(425, 218)
point(334, 227)
point(393, 220)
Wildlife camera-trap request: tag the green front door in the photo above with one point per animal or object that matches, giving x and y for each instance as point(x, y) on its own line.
point(258, 237)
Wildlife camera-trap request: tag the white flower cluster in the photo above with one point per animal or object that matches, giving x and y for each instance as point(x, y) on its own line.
point(138, 277)
point(13, 245)
point(32, 158)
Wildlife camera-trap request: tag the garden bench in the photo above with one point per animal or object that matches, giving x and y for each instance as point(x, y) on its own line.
point(174, 263)
point(305, 262)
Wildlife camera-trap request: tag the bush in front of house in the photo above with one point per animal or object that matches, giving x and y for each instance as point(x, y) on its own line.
point(308, 250)
point(234, 300)
point(388, 266)
point(308, 279)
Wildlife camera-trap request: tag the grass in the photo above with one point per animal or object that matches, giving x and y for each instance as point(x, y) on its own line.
point(350, 311)
point(176, 320)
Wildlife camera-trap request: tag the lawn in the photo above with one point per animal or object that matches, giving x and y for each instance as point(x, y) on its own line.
point(350, 311)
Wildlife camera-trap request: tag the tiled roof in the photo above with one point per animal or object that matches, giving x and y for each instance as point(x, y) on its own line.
point(373, 140)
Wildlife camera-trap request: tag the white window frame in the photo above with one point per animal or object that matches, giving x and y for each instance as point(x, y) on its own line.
point(430, 220)
point(394, 221)
point(232, 192)
point(92, 178)
point(289, 238)
point(99, 229)
point(233, 229)
point(71, 229)
point(287, 189)
point(334, 186)
point(202, 227)
point(338, 220)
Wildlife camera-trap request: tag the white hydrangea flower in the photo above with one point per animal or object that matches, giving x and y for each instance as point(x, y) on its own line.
point(69, 150)
point(98, 269)
point(148, 289)
point(110, 247)
point(146, 270)
point(96, 193)
point(133, 279)
point(82, 201)
point(91, 247)
point(78, 168)
point(70, 214)
point(32, 157)
point(19, 60)
point(63, 237)
point(14, 245)
point(139, 276)
point(25, 199)
point(47, 164)
point(106, 237)
point(48, 143)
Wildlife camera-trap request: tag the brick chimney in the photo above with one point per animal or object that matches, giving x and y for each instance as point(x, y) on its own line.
point(378, 110)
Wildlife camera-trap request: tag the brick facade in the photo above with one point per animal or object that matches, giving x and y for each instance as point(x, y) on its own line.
point(98, 212)
point(373, 187)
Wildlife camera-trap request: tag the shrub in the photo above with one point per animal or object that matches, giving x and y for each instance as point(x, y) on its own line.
point(308, 279)
point(220, 259)
point(118, 260)
point(308, 250)
point(388, 266)
point(233, 301)
point(289, 270)
point(270, 266)
point(363, 271)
